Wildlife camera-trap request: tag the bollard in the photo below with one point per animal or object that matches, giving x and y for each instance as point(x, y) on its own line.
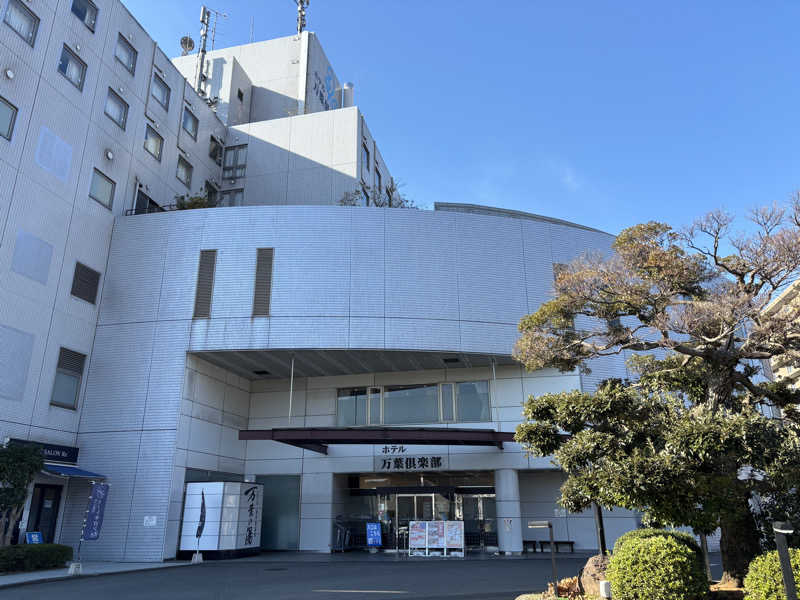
point(781, 530)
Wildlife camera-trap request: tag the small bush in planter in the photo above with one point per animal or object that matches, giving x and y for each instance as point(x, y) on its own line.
point(32, 557)
point(657, 566)
point(764, 580)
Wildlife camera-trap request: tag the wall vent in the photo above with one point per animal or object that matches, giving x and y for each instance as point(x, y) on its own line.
point(205, 284)
point(85, 283)
point(263, 286)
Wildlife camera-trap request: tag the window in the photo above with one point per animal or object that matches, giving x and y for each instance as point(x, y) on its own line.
point(190, 123)
point(232, 197)
point(263, 285)
point(446, 391)
point(240, 94)
point(8, 114)
point(22, 21)
point(215, 150)
point(86, 12)
point(160, 91)
point(72, 67)
point(235, 162)
point(365, 157)
point(184, 172)
point(351, 407)
point(102, 189)
point(409, 404)
point(126, 54)
point(205, 284)
point(153, 142)
point(145, 204)
point(472, 401)
point(211, 193)
point(85, 283)
point(67, 384)
point(116, 108)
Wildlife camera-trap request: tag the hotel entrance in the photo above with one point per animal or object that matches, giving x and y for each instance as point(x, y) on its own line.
point(395, 500)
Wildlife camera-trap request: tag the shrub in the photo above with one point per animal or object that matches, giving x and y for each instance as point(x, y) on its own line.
point(764, 580)
point(31, 557)
point(657, 565)
point(681, 537)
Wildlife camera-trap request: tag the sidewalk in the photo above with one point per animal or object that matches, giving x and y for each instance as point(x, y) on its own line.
point(90, 568)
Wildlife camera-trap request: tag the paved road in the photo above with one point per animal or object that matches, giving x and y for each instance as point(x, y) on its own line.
point(340, 578)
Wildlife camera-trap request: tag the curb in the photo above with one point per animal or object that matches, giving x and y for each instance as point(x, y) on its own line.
point(5, 586)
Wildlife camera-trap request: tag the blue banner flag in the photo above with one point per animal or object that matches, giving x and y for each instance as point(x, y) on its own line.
point(373, 534)
point(97, 506)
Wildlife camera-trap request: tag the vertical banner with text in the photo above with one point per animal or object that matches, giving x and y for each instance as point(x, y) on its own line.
point(94, 515)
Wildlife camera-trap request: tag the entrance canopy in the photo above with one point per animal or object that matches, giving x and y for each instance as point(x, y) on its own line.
point(318, 438)
point(68, 471)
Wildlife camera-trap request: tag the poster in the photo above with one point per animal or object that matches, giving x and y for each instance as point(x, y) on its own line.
point(417, 534)
point(373, 534)
point(454, 534)
point(435, 534)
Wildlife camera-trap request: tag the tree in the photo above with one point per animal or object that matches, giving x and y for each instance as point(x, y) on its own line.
point(18, 466)
point(389, 197)
point(677, 293)
point(188, 201)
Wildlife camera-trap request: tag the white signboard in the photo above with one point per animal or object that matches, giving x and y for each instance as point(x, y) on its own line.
point(417, 534)
point(436, 534)
point(454, 534)
point(434, 538)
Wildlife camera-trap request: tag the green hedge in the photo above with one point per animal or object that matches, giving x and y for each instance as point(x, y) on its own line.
point(657, 565)
point(681, 537)
point(764, 580)
point(31, 557)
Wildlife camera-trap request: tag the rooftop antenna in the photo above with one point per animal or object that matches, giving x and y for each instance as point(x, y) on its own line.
point(205, 17)
point(217, 15)
point(301, 14)
point(187, 45)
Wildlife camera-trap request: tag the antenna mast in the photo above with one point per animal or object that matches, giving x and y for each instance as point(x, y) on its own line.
point(205, 16)
point(301, 14)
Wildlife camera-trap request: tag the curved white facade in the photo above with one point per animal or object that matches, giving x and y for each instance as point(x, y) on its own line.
point(344, 280)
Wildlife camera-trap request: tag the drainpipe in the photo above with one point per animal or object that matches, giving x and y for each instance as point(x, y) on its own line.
point(291, 389)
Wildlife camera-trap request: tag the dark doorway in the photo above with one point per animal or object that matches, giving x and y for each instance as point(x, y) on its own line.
point(280, 516)
point(45, 502)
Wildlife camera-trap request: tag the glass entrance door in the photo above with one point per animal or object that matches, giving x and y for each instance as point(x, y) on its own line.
point(479, 513)
point(45, 502)
point(412, 507)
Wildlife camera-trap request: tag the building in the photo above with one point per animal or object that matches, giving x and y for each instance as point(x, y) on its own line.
point(782, 367)
point(274, 338)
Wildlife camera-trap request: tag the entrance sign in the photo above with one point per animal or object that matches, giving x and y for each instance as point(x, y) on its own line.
point(374, 534)
point(33, 537)
point(435, 535)
point(454, 534)
point(52, 452)
point(94, 514)
point(386, 464)
point(417, 535)
point(434, 538)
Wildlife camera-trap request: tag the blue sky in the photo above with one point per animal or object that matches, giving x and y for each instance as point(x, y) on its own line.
point(603, 113)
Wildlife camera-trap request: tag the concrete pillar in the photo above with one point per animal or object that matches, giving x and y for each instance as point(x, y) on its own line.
point(509, 519)
point(316, 511)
